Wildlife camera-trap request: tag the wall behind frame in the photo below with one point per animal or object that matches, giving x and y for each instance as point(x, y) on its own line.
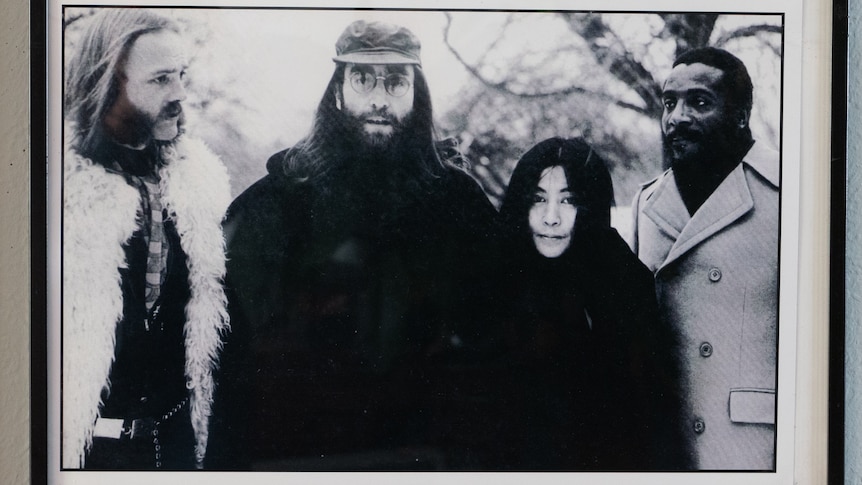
point(14, 243)
point(14, 248)
point(853, 277)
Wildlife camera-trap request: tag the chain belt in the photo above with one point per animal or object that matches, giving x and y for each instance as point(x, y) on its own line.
point(137, 429)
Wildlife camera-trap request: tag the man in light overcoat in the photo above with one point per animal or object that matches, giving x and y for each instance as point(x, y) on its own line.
point(708, 228)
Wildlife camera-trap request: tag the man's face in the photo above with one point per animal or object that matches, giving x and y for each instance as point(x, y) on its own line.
point(382, 110)
point(152, 86)
point(695, 120)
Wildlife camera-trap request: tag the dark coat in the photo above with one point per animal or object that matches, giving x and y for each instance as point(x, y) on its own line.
point(345, 297)
point(594, 383)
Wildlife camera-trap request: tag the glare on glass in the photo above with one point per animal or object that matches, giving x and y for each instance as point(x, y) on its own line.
point(364, 82)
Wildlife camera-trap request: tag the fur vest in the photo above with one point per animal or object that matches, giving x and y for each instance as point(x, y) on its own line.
point(101, 211)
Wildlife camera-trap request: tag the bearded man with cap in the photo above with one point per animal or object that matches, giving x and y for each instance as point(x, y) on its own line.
point(353, 267)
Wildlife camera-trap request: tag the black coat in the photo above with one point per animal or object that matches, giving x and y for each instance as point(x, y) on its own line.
point(346, 298)
point(594, 384)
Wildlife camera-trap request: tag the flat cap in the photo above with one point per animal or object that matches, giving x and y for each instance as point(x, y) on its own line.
point(365, 42)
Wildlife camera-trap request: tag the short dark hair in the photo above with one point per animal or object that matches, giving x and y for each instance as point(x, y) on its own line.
point(735, 84)
point(587, 176)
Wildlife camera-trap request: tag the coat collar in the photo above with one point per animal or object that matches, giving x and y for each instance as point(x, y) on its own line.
point(764, 161)
point(730, 201)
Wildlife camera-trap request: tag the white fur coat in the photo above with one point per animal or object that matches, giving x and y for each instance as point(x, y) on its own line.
point(101, 211)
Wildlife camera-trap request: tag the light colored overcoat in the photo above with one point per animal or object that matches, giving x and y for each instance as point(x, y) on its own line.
point(716, 276)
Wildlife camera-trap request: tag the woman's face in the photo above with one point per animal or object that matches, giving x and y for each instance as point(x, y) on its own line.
point(552, 215)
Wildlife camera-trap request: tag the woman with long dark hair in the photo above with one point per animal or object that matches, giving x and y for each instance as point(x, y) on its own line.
point(593, 386)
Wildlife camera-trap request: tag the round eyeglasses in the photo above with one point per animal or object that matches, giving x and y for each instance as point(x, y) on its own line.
point(395, 84)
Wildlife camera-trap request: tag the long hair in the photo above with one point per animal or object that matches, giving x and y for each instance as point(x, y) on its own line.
point(588, 180)
point(92, 85)
point(330, 139)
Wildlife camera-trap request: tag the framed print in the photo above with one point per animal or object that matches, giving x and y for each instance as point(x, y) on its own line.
point(387, 241)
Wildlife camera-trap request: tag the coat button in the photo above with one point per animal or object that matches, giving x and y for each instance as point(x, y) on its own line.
point(705, 349)
point(714, 274)
point(699, 426)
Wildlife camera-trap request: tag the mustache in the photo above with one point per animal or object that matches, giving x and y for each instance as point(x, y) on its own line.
point(683, 133)
point(379, 115)
point(171, 110)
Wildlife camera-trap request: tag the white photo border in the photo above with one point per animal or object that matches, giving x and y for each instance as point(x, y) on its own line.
point(791, 151)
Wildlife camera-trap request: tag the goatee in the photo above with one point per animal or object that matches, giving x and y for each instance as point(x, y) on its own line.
point(702, 161)
point(685, 148)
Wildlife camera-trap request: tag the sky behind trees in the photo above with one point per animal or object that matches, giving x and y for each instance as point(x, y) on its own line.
point(500, 81)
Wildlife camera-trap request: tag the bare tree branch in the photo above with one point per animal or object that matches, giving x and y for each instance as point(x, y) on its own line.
point(496, 41)
point(71, 18)
point(749, 31)
point(504, 87)
point(613, 56)
point(690, 31)
point(752, 31)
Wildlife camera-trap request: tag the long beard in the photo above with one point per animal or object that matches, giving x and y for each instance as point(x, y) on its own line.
point(376, 172)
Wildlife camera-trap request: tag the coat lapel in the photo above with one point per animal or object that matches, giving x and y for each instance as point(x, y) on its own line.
point(666, 209)
point(730, 201)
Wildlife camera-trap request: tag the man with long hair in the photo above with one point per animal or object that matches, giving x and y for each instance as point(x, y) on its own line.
point(708, 229)
point(352, 269)
point(144, 309)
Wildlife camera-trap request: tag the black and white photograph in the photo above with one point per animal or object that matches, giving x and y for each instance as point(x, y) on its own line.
point(294, 239)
